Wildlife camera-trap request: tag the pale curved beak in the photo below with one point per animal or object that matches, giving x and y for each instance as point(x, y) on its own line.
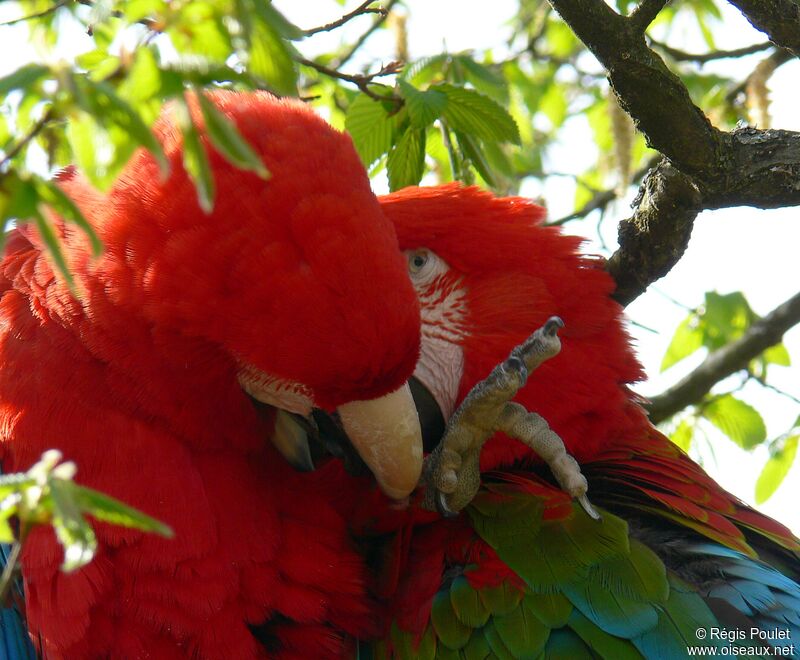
point(386, 433)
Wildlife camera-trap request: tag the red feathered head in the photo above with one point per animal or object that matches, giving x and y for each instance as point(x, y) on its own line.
point(298, 278)
point(488, 273)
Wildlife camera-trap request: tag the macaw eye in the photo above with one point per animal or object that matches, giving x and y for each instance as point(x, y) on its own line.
point(417, 260)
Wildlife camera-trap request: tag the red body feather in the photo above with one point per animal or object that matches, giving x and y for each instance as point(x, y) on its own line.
point(136, 381)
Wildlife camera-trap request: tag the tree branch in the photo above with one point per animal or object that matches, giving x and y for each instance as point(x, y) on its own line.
point(361, 81)
point(363, 38)
point(362, 9)
point(705, 167)
point(778, 19)
point(41, 14)
point(27, 138)
point(655, 237)
point(720, 364)
point(646, 12)
point(603, 197)
point(702, 58)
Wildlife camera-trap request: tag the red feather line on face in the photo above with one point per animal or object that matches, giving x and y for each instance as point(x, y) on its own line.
point(137, 382)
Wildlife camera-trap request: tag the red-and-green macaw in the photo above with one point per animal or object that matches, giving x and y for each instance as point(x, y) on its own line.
point(525, 572)
point(293, 292)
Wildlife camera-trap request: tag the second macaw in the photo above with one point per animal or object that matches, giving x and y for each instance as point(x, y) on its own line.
point(674, 562)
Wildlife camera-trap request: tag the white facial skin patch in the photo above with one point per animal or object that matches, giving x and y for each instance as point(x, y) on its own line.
point(442, 309)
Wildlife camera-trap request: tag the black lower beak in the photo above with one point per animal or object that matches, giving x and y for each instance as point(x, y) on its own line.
point(431, 419)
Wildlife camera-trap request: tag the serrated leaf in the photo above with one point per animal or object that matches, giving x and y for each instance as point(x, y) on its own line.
point(477, 115)
point(108, 509)
point(686, 340)
point(424, 106)
point(227, 139)
point(483, 78)
point(195, 159)
point(776, 469)
point(372, 129)
point(23, 78)
point(56, 199)
point(100, 100)
point(406, 162)
point(738, 420)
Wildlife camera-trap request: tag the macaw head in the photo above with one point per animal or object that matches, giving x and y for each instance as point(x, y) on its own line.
point(298, 278)
point(487, 273)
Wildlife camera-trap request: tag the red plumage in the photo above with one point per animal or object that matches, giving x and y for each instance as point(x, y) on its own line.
point(136, 381)
point(515, 273)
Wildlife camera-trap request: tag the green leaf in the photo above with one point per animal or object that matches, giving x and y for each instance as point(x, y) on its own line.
point(100, 100)
point(371, 128)
point(477, 115)
point(682, 436)
point(776, 469)
point(227, 139)
point(406, 162)
point(686, 340)
point(53, 247)
point(6, 533)
point(72, 531)
point(55, 198)
point(738, 420)
point(195, 159)
point(725, 317)
point(106, 508)
point(554, 105)
point(270, 58)
point(278, 21)
point(483, 78)
point(778, 354)
point(472, 150)
point(23, 78)
point(424, 107)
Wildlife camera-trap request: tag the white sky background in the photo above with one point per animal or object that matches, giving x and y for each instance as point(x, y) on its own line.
point(737, 249)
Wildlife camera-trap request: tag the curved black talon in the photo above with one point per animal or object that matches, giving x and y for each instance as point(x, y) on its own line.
point(552, 326)
point(441, 506)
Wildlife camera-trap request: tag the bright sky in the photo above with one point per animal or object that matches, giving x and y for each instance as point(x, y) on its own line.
point(738, 249)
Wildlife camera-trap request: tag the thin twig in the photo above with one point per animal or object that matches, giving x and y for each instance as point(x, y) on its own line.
point(26, 139)
point(702, 58)
point(361, 81)
point(41, 14)
point(727, 360)
point(346, 57)
point(362, 9)
point(777, 390)
point(603, 198)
